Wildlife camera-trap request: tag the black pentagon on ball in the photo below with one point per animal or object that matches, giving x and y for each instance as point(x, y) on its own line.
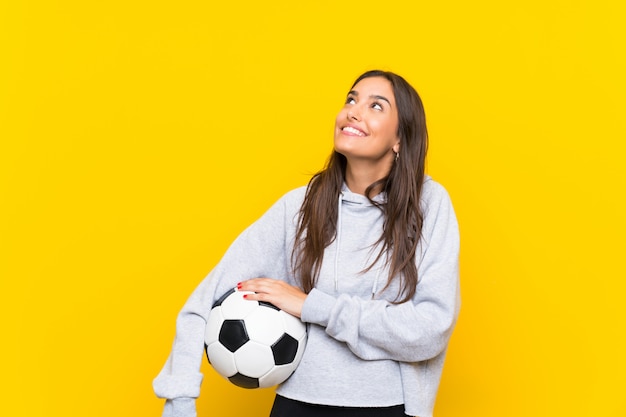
point(233, 334)
point(269, 305)
point(244, 381)
point(285, 350)
point(223, 297)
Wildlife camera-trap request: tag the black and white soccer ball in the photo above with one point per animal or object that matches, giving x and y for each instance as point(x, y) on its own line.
point(253, 344)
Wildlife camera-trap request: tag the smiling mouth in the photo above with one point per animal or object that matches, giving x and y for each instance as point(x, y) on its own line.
point(353, 131)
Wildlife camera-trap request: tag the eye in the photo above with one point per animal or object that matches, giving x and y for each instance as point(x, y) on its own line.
point(350, 100)
point(377, 106)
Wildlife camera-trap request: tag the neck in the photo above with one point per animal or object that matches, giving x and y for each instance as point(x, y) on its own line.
point(360, 176)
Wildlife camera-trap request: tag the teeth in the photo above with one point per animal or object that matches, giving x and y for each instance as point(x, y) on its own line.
point(353, 131)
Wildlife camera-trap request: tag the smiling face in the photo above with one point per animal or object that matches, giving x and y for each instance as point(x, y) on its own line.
point(366, 129)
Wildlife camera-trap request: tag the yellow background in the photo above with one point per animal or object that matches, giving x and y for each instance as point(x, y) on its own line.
point(138, 138)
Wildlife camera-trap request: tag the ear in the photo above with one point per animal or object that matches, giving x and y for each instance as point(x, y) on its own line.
point(396, 147)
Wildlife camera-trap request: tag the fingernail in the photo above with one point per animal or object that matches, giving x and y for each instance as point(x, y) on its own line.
point(239, 285)
point(245, 296)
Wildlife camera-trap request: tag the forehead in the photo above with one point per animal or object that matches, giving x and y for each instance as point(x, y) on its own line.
point(375, 86)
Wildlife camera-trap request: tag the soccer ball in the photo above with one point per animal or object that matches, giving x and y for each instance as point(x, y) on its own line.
point(253, 344)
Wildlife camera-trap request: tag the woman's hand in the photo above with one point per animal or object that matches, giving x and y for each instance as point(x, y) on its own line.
point(284, 296)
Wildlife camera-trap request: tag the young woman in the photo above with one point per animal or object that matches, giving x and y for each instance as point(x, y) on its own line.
point(366, 255)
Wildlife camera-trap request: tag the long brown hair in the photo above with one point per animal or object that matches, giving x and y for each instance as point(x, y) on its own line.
point(403, 217)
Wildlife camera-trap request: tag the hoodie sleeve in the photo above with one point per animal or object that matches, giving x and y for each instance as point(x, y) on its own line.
point(260, 251)
point(413, 331)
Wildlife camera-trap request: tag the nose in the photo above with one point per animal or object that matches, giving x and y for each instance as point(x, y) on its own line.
point(354, 114)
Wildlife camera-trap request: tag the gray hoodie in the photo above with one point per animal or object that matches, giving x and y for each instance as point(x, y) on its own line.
point(362, 350)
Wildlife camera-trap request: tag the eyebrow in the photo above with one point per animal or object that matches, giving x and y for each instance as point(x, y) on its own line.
point(375, 96)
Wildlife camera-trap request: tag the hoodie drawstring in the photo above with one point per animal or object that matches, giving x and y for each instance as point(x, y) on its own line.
point(375, 285)
point(336, 277)
point(338, 244)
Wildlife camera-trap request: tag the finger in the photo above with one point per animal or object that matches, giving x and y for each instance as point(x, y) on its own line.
point(259, 285)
